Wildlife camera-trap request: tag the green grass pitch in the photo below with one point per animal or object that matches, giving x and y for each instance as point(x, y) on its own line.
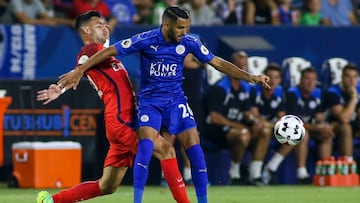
point(216, 194)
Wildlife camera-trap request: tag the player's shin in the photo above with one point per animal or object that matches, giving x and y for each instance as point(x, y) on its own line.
point(141, 168)
point(174, 179)
point(83, 191)
point(198, 171)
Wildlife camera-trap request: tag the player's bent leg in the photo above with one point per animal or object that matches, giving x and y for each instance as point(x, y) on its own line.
point(238, 139)
point(146, 135)
point(171, 139)
point(189, 139)
point(344, 133)
point(80, 192)
point(186, 168)
point(259, 152)
point(269, 174)
point(301, 153)
point(111, 178)
point(165, 152)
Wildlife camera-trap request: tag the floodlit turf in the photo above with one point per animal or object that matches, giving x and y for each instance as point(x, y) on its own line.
point(217, 194)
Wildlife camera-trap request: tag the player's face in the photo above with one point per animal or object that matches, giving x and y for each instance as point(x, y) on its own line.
point(178, 29)
point(350, 79)
point(241, 62)
point(275, 78)
point(308, 82)
point(99, 30)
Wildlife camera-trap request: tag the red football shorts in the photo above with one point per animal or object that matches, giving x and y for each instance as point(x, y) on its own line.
point(123, 143)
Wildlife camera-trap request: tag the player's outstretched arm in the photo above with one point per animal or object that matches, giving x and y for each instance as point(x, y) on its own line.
point(72, 78)
point(232, 70)
point(50, 94)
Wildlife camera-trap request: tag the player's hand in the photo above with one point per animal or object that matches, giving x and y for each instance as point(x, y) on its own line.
point(48, 95)
point(261, 79)
point(354, 93)
point(70, 79)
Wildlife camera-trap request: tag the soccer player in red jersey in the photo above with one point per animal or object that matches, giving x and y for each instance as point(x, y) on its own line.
point(111, 81)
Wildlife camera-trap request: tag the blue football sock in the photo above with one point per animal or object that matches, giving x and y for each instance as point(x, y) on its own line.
point(198, 172)
point(141, 168)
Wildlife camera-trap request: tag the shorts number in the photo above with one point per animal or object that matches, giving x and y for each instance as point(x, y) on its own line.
point(186, 110)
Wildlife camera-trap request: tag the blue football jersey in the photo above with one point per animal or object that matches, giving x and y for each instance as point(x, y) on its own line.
point(161, 62)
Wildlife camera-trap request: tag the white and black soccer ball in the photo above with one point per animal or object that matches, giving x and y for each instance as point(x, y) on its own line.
point(289, 130)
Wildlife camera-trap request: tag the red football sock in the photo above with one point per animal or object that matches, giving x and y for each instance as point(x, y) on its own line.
point(175, 180)
point(83, 191)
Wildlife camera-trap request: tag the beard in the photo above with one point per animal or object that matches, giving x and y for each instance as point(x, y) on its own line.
point(171, 35)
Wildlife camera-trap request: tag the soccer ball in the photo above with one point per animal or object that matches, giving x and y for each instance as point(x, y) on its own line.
point(289, 130)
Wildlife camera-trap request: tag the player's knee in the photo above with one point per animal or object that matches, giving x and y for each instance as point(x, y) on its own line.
point(266, 133)
point(243, 137)
point(167, 151)
point(107, 188)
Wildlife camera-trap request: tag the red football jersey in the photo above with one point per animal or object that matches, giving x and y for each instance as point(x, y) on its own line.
point(111, 81)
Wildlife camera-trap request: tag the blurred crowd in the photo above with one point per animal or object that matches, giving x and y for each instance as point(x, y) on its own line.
point(203, 12)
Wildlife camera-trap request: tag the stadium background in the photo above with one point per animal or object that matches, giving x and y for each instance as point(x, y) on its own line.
point(33, 56)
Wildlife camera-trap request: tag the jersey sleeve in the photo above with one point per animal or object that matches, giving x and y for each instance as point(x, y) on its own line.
point(129, 46)
point(199, 50)
point(87, 51)
point(215, 99)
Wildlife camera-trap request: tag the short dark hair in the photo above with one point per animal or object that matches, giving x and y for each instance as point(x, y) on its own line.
point(308, 70)
point(272, 67)
point(175, 12)
point(84, 18)
point(350, 66)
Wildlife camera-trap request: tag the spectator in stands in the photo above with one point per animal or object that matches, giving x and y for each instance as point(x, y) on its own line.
point(201, 13)
point(305, 100)
point(261, 12)
point(60, 20)
point(311, 13)
point(338, 13)
point(356, 6)
point(229, 11)
point(159, 9)
point(231, 124)
point(288, 15)
point(3, 4)
point(344, 108)
point(81, 6)
point(124, 11)
point(260, 136)
point(27, 12)
point(269, 106)
point(297, 4)
point(144, 8)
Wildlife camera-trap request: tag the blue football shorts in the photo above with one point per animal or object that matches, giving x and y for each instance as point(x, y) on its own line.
point(174, 114)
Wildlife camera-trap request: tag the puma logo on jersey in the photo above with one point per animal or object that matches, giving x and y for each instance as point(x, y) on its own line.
point(154, 47)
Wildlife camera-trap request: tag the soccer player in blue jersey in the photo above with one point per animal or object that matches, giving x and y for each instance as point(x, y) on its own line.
point(306, 100)
point(342, 100)
point(161, 100)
